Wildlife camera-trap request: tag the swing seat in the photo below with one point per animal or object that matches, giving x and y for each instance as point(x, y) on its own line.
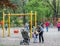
point(16, 31)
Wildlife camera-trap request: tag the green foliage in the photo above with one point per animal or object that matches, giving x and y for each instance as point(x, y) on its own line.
point(42, 8)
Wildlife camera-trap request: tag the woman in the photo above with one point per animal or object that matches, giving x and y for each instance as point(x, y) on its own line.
point(40, 31)
point(58, 26)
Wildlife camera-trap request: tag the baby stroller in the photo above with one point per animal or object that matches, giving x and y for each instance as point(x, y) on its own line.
point(26, 39)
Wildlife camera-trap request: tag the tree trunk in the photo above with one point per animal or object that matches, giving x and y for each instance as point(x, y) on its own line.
point(54, 12)
point(24, 20)
point(58, 9)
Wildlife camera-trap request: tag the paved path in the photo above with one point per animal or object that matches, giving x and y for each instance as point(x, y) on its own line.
point(51, 38)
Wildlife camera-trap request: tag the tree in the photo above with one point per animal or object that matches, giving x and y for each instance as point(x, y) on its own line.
point(23, 10)
point(55, 7)
point(42, 8)
point(7, 4)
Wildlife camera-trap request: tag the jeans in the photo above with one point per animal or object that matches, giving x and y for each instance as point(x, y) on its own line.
point(47, 28)
point(58, 28)
point(41, 37)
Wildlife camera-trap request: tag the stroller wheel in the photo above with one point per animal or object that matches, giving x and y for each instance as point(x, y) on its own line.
point(26, 43)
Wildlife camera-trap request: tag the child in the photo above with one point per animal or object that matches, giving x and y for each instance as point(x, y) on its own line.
point(35, 34)
point(6, 26)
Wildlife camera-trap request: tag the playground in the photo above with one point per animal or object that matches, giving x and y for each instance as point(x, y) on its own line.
point(14, 40)
point(15, 29)
point(38, 19)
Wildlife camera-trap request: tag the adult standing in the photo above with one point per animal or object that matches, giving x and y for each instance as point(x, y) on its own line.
point(27, 27)
point(58, 26)
point(47, 25)
point(40, 31)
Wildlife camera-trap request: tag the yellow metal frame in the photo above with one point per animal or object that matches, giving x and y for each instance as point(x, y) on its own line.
point(3, 25)
point(30, 14)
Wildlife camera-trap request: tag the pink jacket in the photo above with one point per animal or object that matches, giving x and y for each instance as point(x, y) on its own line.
point(58, 25)
point(47, 23)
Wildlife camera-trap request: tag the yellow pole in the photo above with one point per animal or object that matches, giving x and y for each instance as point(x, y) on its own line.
point(35, 19)
point(31, 24)
point(3, 26)
point(9, 25)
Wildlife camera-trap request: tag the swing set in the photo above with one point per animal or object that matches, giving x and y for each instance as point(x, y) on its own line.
point(30, 14)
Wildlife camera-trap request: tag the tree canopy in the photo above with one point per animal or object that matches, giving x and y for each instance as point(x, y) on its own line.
point(42, 8)
point(7, 3)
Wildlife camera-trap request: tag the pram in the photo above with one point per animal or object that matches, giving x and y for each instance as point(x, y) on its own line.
point(26, 38)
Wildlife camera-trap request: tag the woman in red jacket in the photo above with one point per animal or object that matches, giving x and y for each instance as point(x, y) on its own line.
point(58, 26)
point(47, 25)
